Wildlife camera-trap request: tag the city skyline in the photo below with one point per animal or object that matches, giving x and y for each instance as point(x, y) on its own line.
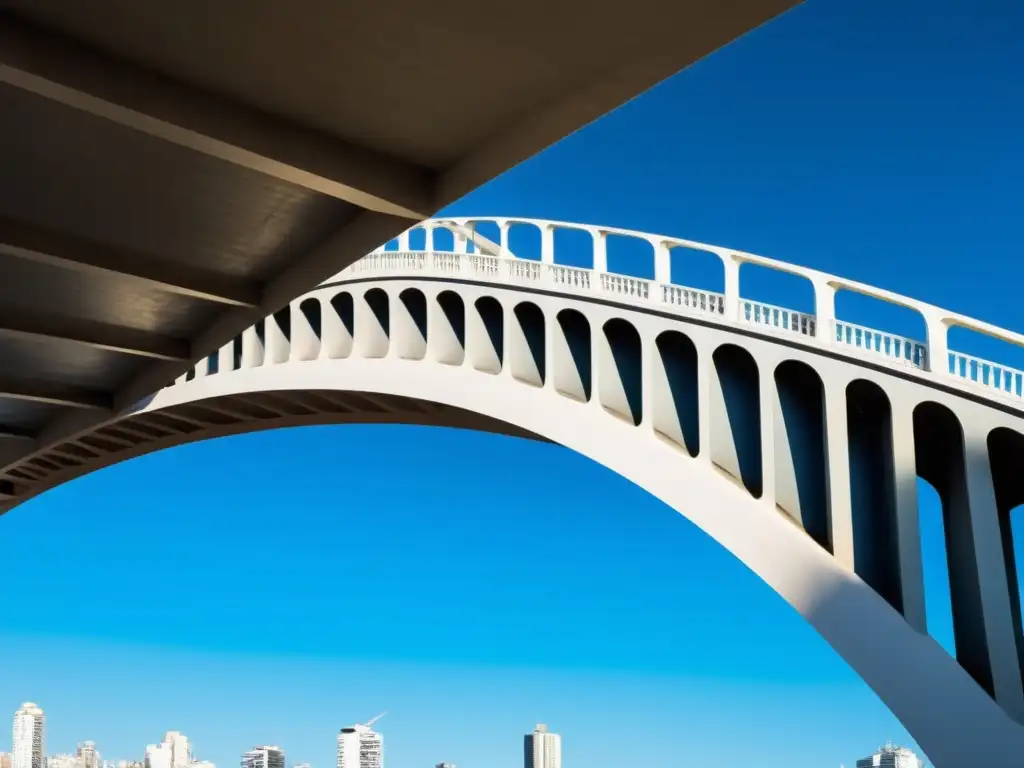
point(534, 586)
point(358, 746)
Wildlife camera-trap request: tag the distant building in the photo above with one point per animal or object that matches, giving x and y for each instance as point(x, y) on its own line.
point(29, 737)
point(158, 756)
point(359, 746)
point(891, 756)
point(88, 757)
point(178, 745)
point(63, 761)
point(300, 765)
point(5, 760)
point(263, 757)
point(201, 764)
point(542, 749)
point(445, 765)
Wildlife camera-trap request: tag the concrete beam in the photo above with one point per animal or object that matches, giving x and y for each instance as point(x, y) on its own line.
point(98, 335)
point(62, 71)
point(37, 244)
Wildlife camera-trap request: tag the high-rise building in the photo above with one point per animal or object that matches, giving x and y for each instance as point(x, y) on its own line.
point(542, 749)
point(88, 757)
point(359, 746)
point(178, 745)
point(891, 756)
point(63, 761)
point(158, 756)
point(263, 757)
point(29, 727)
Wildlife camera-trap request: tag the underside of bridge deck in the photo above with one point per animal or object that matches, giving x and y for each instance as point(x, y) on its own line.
point(174, 170)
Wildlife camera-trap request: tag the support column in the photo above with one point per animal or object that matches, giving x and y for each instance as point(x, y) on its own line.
point(547, 244)
point(600, 260)
point(837, 458)
point(991, 589)
point(403, 242)
point(428, 231)
point(938, 344)
point(908, 526)
point(662, 263)
point(824, 310)
point(732, 287)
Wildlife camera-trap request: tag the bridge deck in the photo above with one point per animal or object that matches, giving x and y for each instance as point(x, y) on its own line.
point(173, 171)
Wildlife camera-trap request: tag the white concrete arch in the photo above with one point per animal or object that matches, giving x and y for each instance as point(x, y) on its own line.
point(754, 425)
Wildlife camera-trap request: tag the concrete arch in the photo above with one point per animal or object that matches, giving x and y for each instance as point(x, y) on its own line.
point(900, 664)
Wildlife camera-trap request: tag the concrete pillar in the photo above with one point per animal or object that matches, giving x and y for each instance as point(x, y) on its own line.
point(662, 263)
point(732, 287)
point(908, 527)
point(824, 310)
point(837, 455)
point(989, 570)
point(600, 260)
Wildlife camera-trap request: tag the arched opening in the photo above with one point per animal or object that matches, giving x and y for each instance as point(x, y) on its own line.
point(524, 240)
point(485, 335)
point(340, 326)
point(308, 330)
point(373, 324)
point(778, 301)
point(447, 329)
point(574, 248)
point(236, 353)
point(877, 327)
point(869, 427)
point(279, 335)
point(697, 269)
point(410, 328)
point(735, 413)
point(620, 370)
point(570, 358)
point(801, 471)
point(675, 401)
point(633, 256)
point(527, 344)
point(444, 240)
point(1006, 457)
point(941, 461)
point(418, 239)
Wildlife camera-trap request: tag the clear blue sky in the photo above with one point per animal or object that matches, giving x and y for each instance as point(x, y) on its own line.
point(263, 589)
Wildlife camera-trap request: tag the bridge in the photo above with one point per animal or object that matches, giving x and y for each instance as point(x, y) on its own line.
point(793, 439)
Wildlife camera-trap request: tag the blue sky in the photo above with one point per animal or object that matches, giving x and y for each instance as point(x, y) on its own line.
point(263, 589)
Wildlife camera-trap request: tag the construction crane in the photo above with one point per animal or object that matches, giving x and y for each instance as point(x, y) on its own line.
point(373, 720)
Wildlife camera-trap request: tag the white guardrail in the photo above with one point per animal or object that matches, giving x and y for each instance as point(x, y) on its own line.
point(476, 257)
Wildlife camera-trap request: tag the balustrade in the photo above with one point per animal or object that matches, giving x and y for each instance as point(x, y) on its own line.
point(475, 257)
point(896, 348)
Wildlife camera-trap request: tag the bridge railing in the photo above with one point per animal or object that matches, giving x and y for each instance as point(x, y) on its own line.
point(475, 256)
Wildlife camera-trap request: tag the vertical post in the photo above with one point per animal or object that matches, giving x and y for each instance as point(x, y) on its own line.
point(403, 242)
point(503, 228)
point(732, 286)
point(662, 262)
point(938, 341)
point(824, 310)
point(600, 260)
point(547, 243)
point(428, 230)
